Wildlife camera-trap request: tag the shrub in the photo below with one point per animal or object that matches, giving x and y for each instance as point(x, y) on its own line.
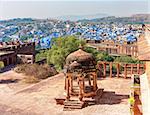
point(35, 72)
point(31, 79)
point(1, 64)
point(20, 68)
point(42, 54)
point(126, 59)
point(99, 55)
point(131, 100)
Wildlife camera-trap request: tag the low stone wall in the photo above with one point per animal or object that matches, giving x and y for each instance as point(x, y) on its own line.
point(9, 58)
point(145, 94)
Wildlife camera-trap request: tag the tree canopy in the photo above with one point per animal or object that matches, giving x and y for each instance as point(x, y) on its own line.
point(61, 47)
point(126, 59)
point(99, 55)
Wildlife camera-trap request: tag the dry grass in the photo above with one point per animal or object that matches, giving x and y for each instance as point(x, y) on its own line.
point(30, 79)
point(35, 72)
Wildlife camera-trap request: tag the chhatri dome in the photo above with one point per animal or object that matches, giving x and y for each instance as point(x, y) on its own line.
point(79, 56)
point(80, 61)
point(80, 79)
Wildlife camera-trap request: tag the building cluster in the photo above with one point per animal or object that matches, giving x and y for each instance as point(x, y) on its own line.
point(15, 53)
point(114, 48)
point(42, 31)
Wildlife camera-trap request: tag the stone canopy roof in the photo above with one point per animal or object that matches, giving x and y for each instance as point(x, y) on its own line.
point(80, 61)
point(79, 56)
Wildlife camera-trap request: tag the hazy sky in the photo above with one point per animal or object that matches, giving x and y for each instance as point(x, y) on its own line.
point(53, 8)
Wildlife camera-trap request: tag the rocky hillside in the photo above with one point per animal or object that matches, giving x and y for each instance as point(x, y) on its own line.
point(137, 18)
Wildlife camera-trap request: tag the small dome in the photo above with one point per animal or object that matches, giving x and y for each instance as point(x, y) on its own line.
point(75, 65)
point(80, 56)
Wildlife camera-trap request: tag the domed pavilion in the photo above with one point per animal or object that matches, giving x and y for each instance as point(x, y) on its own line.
point(80, 76)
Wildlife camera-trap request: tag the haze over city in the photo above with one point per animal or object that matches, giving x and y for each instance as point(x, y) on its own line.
point(58, 8)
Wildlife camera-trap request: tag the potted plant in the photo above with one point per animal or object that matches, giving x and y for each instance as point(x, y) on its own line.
point(131, 101)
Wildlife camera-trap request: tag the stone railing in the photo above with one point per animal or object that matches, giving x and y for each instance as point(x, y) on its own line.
point(125, 70)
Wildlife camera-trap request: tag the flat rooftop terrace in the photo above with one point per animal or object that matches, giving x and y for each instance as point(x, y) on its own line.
point(38, 99)
point(6, 52)
point(7, 46)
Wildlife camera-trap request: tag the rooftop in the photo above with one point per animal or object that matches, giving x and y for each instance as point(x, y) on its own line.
point(6, 52)
point(79, 56)
point(144, 44)
point(17, 98)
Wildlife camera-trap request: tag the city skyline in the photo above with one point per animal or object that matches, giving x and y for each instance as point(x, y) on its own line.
point(53, 9)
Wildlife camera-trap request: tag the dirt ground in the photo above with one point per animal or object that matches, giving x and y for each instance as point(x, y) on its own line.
point(18, 98)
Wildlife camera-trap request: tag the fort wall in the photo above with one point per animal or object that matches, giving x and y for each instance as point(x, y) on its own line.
point(22, 53)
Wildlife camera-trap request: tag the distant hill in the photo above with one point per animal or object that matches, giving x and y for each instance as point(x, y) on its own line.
point(16, 20)
point(137, 18)
point(81, 17)
point(97, 18)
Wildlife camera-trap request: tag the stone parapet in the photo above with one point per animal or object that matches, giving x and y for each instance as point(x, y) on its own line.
point(145, 94)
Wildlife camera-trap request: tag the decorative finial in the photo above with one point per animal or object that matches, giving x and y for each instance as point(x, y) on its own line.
point(143, 27)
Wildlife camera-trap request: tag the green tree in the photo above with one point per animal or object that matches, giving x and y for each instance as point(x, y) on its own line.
point(99, 55)
point(105, 57)
point(126, 59)
point(42, 54)
point(61, 47)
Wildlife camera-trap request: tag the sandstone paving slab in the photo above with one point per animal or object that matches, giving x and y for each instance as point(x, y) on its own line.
point(39, 98)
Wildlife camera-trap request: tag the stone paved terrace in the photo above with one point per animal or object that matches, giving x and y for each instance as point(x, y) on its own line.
point(17, 98)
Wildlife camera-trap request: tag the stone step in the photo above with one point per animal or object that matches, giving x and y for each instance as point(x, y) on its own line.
point(70, 109)
point(73, 104)
point(90, 101)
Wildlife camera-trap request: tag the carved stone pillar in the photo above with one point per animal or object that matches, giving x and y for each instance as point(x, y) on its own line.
point(80, 89)
point(110, 67)
point(138, 68)
point(94, 82)
point(104, 72)
point(67, 88)
point(118, 50)
point(89, 78)
point(71, 83)
point(131, 69)
point(65, 83)
point(144, 67)
point(118, 69)
point(125, 71)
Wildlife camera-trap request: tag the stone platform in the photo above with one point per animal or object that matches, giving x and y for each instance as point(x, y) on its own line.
point(38, 99)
